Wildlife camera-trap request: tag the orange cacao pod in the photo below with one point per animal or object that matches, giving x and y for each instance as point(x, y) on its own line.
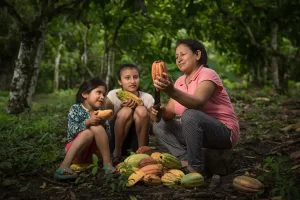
point(158, 67)
point(147, 161)
point(156, 169)
point(144, 150)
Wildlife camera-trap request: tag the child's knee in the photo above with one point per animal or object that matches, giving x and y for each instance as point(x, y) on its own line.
point(141, 112)
point(125, 113)
point(87, 135)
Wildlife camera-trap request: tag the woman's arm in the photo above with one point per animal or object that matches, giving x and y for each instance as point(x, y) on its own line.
point(168, 112)
point(203, 92)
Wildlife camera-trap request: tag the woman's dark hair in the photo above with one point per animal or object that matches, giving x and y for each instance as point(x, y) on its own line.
point(194, 46)
point(87, 86)
point(127, 66)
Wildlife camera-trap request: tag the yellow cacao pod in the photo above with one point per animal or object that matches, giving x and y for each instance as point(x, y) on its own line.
point(105, 114)
point(123, 168)
point(152, 179)
point(178, 173)
point(191, 180)
point(134, 178)
point(169, 161)
point(79, 167)
point(247, 184)
point(125, 96)
point(156, 155)
point(169, 180)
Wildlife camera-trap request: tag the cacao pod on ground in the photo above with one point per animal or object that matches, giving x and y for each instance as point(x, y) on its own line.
point(134, 178)
point(247, 184)
point(169, 161)
point(191, 180)
point(144, 150)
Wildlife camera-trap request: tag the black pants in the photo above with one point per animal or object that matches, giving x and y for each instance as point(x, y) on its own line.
point(130, 143)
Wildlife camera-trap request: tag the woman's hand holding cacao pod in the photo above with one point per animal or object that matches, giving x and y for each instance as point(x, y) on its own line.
point(164, 83)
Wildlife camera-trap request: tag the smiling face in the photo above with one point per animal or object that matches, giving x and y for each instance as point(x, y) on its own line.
point(95, 99)
point(186, 60)
point(129, 79)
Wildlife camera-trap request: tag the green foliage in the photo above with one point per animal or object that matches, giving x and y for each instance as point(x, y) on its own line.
point(34, 139)
point(280, 173)
point(117, 185)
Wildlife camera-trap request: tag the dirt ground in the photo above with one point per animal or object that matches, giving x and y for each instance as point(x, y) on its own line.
point(259, 139)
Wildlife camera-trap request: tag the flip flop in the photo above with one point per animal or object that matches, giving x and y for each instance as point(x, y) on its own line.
point(65, 174)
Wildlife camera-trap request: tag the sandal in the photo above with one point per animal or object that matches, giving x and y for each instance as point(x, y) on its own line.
point(65, 174)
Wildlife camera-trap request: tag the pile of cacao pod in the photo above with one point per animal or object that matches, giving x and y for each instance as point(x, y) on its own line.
point(153, 168)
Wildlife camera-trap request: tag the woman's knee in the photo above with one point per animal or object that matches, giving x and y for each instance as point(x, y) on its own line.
point(191, 115)
point(125, 113)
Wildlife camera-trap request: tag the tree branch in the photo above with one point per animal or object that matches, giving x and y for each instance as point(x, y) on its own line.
point(252, 36)
point(64, 9)
point(11, 10)
point(115, 36)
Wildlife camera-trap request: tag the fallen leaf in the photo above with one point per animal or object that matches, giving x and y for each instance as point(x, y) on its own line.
point(295, 167)
point(262, 99)
point(43, 185)
point(73, 196)
point(295, 155)
point(250, 157)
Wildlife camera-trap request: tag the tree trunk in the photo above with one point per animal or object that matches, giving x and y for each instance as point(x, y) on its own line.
point(274, 64)
point(56, 68)
point(109, 68)
point(27, 69)
point(105, 56)
point(84, 57)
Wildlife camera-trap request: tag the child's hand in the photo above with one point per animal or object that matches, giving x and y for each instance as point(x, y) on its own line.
point(94, 120)
point(130, 103)
point(157, 110)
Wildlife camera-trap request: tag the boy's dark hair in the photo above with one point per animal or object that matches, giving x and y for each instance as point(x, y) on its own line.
point(127, 66)
point(194, 46)
point(87, 86)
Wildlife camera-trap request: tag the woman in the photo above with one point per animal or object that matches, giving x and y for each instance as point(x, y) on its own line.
point(199, 99)
point(131, 122)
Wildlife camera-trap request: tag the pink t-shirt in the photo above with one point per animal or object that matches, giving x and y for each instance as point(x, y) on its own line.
point(218, 106)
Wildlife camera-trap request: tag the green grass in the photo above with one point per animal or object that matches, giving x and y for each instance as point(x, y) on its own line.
point(34, 139)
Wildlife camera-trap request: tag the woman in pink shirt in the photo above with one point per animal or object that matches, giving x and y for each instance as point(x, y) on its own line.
point(200, 101)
